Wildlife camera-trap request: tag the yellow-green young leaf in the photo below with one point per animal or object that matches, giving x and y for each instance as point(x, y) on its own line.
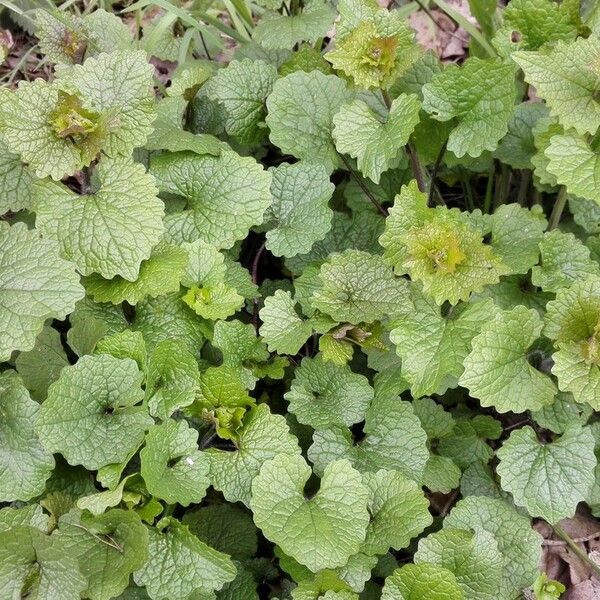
point(394, 440)
point(263, 436)
point(25, 464)
point(316, 532)
point(173, 468)
point(472, 556)
point(379, 48)
point(173, 550)
point(32, 561)
point(110, 231)
point(281, 32)
point(567, 78)
point(242, 88)
point(573, 322)
point(283, 329)
point(564, 259)
point(223, 386)
point(548, 479)
point(299, 215)
point(159, 274)
point(300, 112)
point(35, 285)
point(399, 511)
point(107, 547)
point(519, 544)
point(421, 581)
point(543, 132)
point(218, 301)
point(358, 287)
point(124, 344)
point(575, 163)
point(225, 195)
point(441, 474)
point(498, 372)
point(480, 95)
point(324, 394)
point(375, 140)
point(90, 415)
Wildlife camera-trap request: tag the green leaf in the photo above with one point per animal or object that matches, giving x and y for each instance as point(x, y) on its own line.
point(90, 415)
point(109, 232)
point(564, 259)
point(473, 558)
point(263, 436)
point(159, 274)
point(572, 322)
point(15, 183)
point(517, 147)
point(171, 464)
point(242, 88)
point(172, 380)
point(31, 563)
point(24, 463)
point(167, 317)
point(225, 527)
point(399, 511)
point(575, 164)
point(108, 548)
point(35, 285)
point(316, 532)
point(168, 133)
point(566, 77)
point(41, 366)
point(357, 287)
point(174, 551)
point(480, 95)
point(375, 141)
point(282, 32)
point(299, 215)
point(300, 112)
point(467, 442)
point(548, 479)
point(516, 233)
point(125, 344)
point(433, 347)
point(563, 412)
point(282, 328)
point(434, 419)
point(225, 195)
point(421, 581)
point(394, 440)
point(324, 394)
point(441, 474)
point(498, 372)
point(519, 544)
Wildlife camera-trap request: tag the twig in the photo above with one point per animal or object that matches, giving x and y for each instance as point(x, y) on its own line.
point(111, 543)
point(579, 540)
point(581, 554)
point(416, 168)
point(363, 187)
point(255, 282)
point(558, 208)
point(432, 182)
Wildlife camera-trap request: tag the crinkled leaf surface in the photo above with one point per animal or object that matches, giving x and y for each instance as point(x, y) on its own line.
point(24, 463)
point(548, 479)
point(317, 531)
point(324, 394)
point(172, 466)
point(35, 285)
point(110, 231)
point(90, 415)
point(480, 95)
point(421, 581)
point(497, 370)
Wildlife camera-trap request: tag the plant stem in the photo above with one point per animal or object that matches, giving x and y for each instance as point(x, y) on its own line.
point(579, 552)
point(558, 208)
point(255, 282)
point(416, 168)
point(489, 191)
point(363, 187)
point(387, 99)
point(523, 186)
point(432, 182)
